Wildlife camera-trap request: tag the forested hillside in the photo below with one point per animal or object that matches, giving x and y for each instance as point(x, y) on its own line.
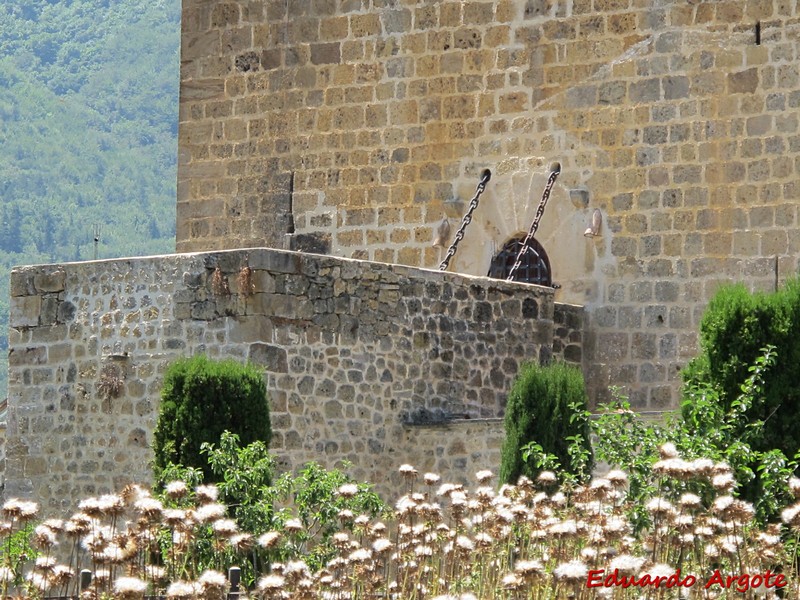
point(88, 132)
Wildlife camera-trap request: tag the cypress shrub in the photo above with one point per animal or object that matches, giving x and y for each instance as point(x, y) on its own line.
point(546, 405)
point(736, 326)
point(201, 399)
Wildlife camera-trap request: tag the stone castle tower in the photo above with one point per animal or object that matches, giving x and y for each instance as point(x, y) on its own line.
point(352, 127)
point(349, 129)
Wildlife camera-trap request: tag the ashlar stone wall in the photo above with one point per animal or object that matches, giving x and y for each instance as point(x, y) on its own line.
point(354, 126)
point(365, 362)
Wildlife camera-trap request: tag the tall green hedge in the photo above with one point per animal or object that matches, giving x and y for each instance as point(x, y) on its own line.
point(736, 326)
point(541, 408)
point(200, 399)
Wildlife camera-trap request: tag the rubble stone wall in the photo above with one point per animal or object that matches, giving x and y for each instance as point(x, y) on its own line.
point(362, 359)
point(353, 127)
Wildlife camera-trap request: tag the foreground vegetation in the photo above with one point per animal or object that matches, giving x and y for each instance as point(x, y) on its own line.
point(537, 539)
point(673, 525)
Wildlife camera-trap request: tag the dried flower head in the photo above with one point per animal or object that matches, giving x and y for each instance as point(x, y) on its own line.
point(627, 564)
point(44, 563)
point(60, 575)
point(690, 501)
point(44, 537)
point(659, 506)
point(484, 476)
point(668, 450)
point(38, 581)
point(431, 478)
point(225, 527)
point(723, 482)
point(209, 512)
point(794, 487)
point(176, 517)
point(269, 539)
point(271, 582)
point(78, 524)
point(241, 542)
point(21, 510)
point(381, 546)
point(547, 478)
point(512, 581)
point(572, 571)
point(206, 493)
point(129, 588)
point(791, 515)
point(617, 478)
point(407, 471)
point(348, 490)
point(212, 580)
point(149, 507)
point(181, 590)
point(293, 525)
point(176, 489)
point(658, 570)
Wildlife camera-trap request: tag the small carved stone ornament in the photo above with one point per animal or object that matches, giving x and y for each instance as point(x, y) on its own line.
point(442, 233)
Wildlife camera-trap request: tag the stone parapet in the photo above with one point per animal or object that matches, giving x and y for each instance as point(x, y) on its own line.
point(353, 352)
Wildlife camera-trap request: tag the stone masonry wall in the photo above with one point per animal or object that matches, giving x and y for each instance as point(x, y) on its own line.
point(354, 126)
point(568, 332)
point(358, 357)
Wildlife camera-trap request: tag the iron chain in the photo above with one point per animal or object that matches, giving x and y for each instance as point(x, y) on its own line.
point(473, 204)
point(535, 225)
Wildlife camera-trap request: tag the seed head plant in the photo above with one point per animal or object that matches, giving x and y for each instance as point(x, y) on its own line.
point(536, 539)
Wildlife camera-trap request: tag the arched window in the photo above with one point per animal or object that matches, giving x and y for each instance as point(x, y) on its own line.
point(535, 267)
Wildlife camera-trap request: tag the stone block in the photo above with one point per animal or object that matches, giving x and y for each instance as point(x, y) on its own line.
point(647, 90)
point(743, 82)
point(50, 281)
point(311, 243)
point(326, 53)
point(247, 329)
point(675, 87)
point(25, 311)
point(31, 355)
point(273, 358)
point(276, 262)
point(612, 92)
point(49, 311)
point(365, 25)
point(759, 125)
point(202, 89)
point(612, 346)
point(643, 345)
point(225, 14)
point(396, 21)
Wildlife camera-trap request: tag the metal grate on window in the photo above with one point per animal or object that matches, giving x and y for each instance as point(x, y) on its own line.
point(535, 267)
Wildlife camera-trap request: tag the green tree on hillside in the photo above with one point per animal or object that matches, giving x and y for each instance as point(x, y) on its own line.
point(88, 132)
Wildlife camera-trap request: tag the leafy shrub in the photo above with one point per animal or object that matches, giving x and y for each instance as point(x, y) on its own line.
point(547, 409)
point(705, 430)
point(316, 499)
point(200, 399)
point(735, 328)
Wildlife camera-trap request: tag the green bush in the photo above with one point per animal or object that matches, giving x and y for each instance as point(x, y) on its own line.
point(201, 399)
point(316, 497)
point(736, 327)
point(546, 414)
point(705, 430)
